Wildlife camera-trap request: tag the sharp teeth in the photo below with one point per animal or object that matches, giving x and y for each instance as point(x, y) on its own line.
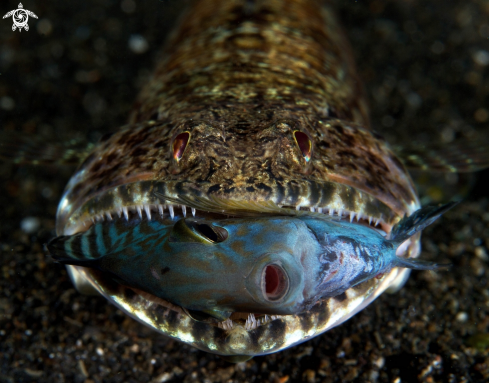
point(298, 207)
point(120, 213)
point(376, 222)
point(140, 213)
point(160, 210)
point(172, 213)
point(251, 322)
point(340, 213)
point(184, 210)
point(312, 209)
point(331, 212)
point(126, 213)
point(226, 325)
point(369, 220)
point(193, 212)
point(148, 211)
point(320, 209)
point(109, 217)
point(352, 216)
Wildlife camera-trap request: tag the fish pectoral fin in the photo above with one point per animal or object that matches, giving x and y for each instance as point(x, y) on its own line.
point(460, 156)
point(418, 264)
point(19, 148)
point(208, 316)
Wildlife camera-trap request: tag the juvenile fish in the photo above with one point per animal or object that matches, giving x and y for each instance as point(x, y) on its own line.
point(269, 265)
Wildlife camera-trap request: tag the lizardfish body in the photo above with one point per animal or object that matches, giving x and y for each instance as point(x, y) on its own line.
point(285, 266)
point(255, 110)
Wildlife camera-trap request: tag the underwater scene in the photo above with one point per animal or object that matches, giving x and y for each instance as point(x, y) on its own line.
point(244, 191)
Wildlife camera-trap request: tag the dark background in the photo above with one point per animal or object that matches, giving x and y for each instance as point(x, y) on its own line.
point(425, 64)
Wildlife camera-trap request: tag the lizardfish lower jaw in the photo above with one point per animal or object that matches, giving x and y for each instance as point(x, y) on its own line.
point(242, 333)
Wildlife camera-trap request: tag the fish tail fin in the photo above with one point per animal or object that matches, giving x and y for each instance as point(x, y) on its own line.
point(22, 149)
point(420, 219)
point(418, 264)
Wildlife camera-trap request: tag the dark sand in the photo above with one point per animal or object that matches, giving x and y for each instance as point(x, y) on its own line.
point(425, 66)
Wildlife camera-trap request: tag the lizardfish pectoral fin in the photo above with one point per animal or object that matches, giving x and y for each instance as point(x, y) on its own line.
point(19, 148)
point(459, 156)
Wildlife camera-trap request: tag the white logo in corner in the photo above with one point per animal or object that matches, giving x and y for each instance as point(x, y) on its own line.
point(20, 17)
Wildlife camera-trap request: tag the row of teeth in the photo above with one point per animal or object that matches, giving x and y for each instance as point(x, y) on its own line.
point(251, 322)
point(150, 209)
point(146, 209)
point(344, 214)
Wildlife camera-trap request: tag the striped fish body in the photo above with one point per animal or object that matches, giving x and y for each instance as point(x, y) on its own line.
point(255, 109)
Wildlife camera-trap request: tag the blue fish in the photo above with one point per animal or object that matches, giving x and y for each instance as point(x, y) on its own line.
point(269, 265)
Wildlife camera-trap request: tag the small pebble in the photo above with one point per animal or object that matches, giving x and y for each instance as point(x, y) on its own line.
point(462, 317)
point(30, 225)
point(138, 44)
point(481, 57)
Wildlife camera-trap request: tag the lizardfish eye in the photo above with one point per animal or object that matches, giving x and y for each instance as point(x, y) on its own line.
point(274, 282)
point(189, 230)
point(304, 144)
point(179, 144)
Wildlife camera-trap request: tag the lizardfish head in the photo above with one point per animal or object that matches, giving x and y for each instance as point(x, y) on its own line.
point(170, 170)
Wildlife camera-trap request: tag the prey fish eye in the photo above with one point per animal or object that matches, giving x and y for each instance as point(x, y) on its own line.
point(198, 218)
point(189, 230)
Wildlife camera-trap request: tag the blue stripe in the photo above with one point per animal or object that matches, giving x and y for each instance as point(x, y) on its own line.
point(85, 247)
point(99, 240)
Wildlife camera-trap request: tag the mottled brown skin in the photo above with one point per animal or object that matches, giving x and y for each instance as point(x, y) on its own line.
point(241, 76)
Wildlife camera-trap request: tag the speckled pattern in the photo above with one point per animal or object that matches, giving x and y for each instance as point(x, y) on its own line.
point(425, 66)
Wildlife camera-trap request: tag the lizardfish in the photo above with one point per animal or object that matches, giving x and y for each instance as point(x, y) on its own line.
point(267, 265)
point(255, 110)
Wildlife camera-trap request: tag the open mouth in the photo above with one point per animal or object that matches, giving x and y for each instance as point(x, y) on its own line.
point(171, 213)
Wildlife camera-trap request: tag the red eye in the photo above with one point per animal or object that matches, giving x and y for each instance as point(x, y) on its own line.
point(304, 144)
point(179, 145)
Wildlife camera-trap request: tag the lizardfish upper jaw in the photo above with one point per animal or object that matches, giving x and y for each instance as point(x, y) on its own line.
point(152, 198)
